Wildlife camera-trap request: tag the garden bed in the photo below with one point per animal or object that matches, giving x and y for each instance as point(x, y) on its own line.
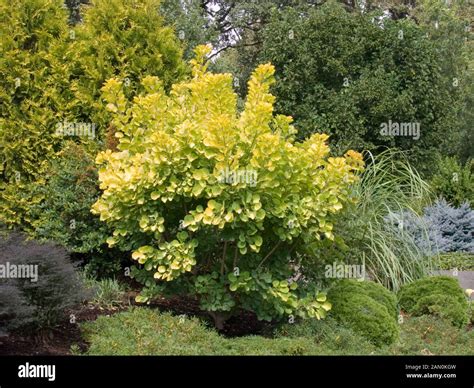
point(243, 333)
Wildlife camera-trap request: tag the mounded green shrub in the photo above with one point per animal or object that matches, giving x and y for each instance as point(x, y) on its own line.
point(382, 295)
point(327, 334)
point(376, 291)
point(367, 309)
point(437, 295)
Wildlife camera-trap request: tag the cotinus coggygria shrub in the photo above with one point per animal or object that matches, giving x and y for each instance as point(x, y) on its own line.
point(217, 203)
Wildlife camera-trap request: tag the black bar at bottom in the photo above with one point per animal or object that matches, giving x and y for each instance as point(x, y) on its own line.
point(321, 371)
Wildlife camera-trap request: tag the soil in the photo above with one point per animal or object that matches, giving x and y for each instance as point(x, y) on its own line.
point(56, 343)
point(66, 334)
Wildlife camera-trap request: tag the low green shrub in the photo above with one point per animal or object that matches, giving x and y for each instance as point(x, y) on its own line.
point(48, 286)
point(261, 346)
point(428, 335)
point(437, 295)
point(124, 334)
point(144, 331)
point(328, 335)
point(463, 261)
point(369, 310)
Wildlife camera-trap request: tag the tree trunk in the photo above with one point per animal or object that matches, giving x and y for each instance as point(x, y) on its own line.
point(219, 319)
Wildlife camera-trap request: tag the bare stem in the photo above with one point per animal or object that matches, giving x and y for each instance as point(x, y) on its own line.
point(223, 258)
point(269, 254)
point(236, 252)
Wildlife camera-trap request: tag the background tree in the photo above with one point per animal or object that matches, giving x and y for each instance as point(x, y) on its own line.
point(346, 74)
point(192, 23)
point(240, 40)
